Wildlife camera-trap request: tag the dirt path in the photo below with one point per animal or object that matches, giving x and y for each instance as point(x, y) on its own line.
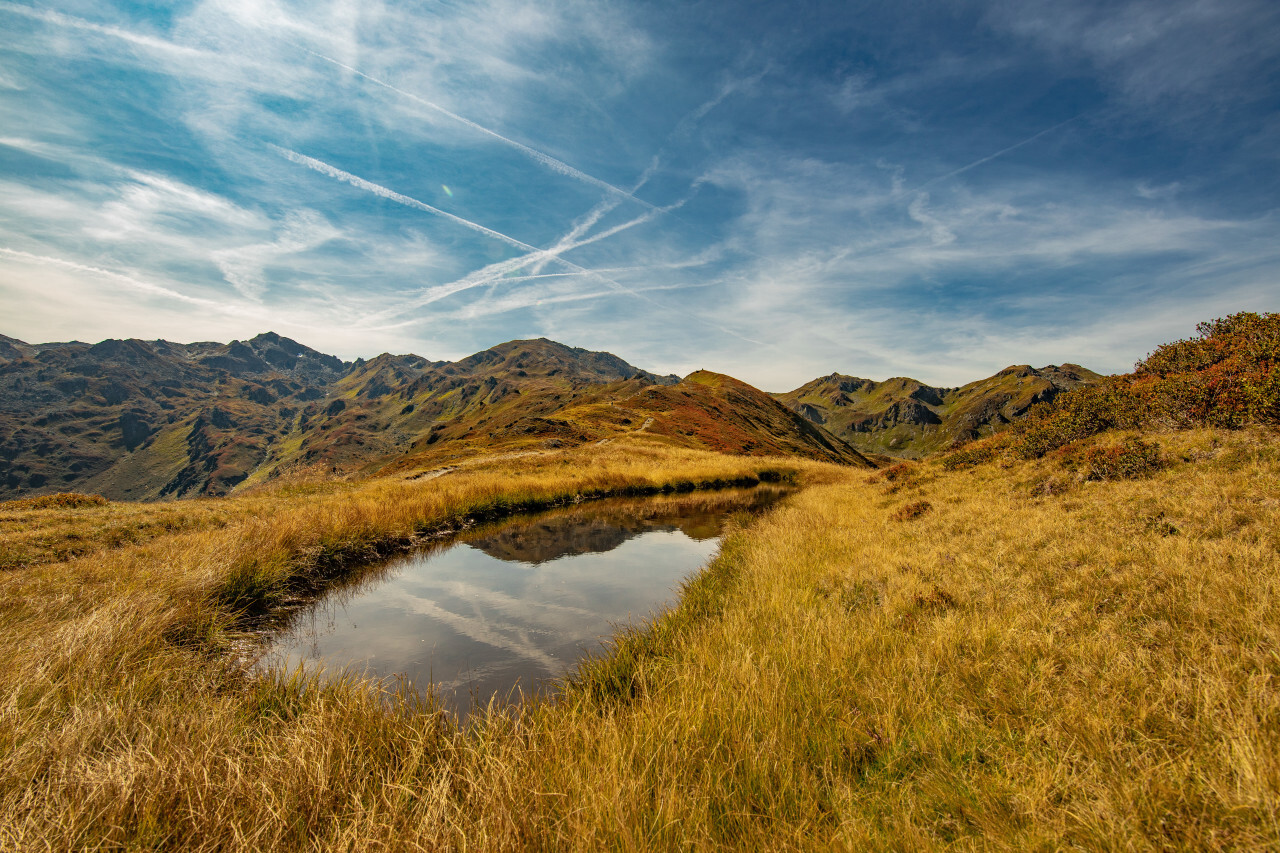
point(477, 460)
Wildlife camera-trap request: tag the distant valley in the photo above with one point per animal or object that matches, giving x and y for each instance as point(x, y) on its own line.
point(148, 420)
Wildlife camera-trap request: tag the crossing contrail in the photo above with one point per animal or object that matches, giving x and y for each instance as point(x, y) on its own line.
point(536, 261)
point(400, 198)
point(390, 194)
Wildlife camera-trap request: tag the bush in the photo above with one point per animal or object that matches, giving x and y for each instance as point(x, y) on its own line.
point(901, 471)
point(1127, 460)
point(1224, 377)
point(1077, 414)
point(896, 476)
point(974, 454)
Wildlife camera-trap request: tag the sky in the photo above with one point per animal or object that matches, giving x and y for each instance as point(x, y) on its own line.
point(771, 190)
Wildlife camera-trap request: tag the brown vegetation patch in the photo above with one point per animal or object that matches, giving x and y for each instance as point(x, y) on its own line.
point(853, 595)
point(895, 477)
point(906, 512)
point(62, 500)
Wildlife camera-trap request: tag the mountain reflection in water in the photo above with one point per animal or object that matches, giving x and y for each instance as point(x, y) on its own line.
point(505, 606)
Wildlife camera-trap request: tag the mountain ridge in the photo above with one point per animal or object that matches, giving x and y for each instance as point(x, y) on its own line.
point(145, 420)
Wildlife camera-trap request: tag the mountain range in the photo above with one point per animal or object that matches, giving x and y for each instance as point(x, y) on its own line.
point(145, 420)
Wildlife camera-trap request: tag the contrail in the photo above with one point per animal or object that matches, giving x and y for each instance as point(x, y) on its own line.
point(682, 128)
point(685, 124)
point(515, 302)
point(606, 205)
point(492, 272)
point(547, 160)
point(379, 190)
point(390, 194)
point(476, 628)
point(990, 157)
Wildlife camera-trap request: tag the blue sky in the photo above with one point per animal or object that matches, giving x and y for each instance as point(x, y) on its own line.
point(771, 190)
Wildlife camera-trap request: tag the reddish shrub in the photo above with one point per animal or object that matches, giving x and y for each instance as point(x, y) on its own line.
point(906, 512)
point(901, 471)
point(1226, 377)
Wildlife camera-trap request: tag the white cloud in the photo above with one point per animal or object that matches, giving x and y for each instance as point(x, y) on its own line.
point(244, 266)
point(803, 265)
point(918, 210)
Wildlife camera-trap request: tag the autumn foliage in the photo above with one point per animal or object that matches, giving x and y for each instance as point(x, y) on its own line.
point(1224, 377)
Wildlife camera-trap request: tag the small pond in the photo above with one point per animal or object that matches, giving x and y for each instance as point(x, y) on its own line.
point(501, 608)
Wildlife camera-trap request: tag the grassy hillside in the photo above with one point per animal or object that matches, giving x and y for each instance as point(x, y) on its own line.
point(142, 420)
point(1020, 649)
point(704, 411)
point(914, 658)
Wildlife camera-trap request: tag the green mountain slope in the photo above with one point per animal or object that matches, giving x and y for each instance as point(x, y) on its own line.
point(705, 410)
point(149, 419)
point(906, 418)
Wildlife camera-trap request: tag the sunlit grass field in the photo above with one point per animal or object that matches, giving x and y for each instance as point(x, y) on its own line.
point(1008, 656)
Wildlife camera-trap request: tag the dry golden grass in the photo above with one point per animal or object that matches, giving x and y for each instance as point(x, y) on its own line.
point(30, 535)
point(1037, 662)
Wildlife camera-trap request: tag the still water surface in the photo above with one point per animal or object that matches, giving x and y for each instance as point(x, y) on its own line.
point(502, 608)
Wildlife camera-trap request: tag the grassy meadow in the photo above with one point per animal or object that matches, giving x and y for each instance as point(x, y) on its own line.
point(1008, 656)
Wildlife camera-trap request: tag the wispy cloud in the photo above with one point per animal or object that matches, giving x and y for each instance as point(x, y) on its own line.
point(505, 271)
point(1045, 171)
point(59, 19)
point(130, 281)
point(1167, 54)
point(493, 272)
point(244, 266)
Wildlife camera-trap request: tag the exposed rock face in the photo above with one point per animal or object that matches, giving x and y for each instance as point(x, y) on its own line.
point(812, 413)
point(903, 417)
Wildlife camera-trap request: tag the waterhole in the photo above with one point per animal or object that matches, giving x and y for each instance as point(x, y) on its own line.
point(502, 609)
